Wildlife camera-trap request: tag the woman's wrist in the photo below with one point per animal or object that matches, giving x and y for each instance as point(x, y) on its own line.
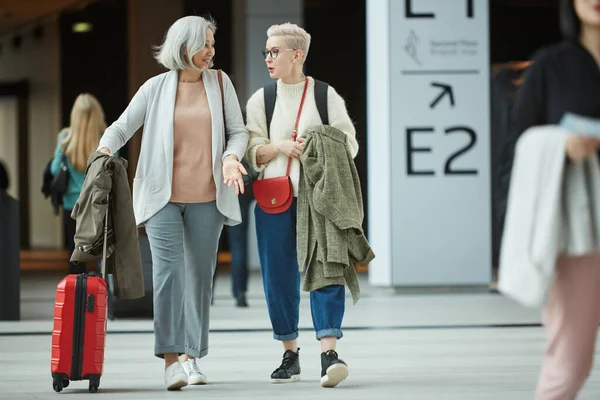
point(276, 145)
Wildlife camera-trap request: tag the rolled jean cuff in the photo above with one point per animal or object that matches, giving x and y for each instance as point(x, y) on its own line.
point(330, 332)
point(285, 338)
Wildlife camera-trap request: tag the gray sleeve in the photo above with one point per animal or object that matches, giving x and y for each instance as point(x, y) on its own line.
point(237, 135)
point(120, 131)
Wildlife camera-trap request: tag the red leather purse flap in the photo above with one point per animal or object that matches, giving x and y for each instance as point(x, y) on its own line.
point(273, 192)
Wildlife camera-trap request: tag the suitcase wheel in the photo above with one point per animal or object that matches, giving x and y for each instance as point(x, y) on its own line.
point(57, 385)
point(94, 384)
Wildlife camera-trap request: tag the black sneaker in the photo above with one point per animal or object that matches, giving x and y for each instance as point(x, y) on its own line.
point(289, 370)
point(333, 370)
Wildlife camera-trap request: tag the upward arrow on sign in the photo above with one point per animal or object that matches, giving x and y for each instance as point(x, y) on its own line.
point(446, 89)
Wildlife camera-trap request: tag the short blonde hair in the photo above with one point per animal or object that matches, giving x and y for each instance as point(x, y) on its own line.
point(184, 39)
point(87, 125)
point(294, 36)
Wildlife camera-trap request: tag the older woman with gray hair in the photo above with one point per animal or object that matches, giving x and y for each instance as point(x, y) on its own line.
point(185, 188)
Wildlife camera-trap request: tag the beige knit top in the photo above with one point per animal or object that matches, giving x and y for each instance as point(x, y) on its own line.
point(193, 180)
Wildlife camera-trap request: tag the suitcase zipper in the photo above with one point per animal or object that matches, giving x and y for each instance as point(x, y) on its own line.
point(78, 327)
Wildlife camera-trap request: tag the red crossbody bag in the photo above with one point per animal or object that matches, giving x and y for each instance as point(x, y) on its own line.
point(275, 195)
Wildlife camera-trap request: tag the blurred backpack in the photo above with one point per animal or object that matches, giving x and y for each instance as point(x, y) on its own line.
point(55, 186)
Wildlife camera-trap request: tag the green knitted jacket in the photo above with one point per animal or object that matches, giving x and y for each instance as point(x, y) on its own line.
point(330, 213)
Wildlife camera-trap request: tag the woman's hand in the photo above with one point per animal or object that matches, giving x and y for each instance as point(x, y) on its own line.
point(580, 147)
point(106, 150)
point(232, 173)
point(291, 148)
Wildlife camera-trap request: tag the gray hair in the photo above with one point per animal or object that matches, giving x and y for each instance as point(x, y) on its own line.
point(294, 36)
point(184, 39)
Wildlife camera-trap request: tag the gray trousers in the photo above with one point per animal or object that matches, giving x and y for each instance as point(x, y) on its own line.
point(184, 241)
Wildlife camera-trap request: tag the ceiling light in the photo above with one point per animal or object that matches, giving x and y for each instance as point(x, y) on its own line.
point(82, 27)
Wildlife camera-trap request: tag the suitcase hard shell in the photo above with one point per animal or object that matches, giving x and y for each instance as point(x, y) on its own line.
point(79, 333)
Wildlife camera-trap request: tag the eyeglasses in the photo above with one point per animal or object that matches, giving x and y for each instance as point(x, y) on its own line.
point(274, 52)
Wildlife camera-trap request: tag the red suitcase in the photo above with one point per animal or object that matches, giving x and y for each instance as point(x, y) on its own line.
point(79, 333)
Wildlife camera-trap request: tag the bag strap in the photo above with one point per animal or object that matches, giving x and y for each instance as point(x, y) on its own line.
point(295, 131)
point(220, 76)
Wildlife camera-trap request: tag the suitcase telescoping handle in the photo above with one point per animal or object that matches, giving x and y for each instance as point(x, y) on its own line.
point(105, 244)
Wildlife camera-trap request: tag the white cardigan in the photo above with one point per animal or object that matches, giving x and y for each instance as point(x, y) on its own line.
point(153, 106)
point(553, 209)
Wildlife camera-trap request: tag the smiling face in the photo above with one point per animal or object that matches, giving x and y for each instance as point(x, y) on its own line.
point(203, 58)
point(282, 59)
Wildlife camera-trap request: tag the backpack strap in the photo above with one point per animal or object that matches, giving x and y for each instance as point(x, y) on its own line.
point(321, 89)
point(270, 95)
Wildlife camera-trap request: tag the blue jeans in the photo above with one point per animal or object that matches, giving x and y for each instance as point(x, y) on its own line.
point(276, 234)
point(238, 246)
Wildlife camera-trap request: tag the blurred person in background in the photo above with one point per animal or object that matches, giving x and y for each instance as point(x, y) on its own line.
point(565, 77)
point(75, 145)
point(185, 188)
point(238, 246)
point(4, 181)
point(10, 245)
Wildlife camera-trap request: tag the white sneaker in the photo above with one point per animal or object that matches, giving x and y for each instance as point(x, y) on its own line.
point(194, 376)
point(175, 377)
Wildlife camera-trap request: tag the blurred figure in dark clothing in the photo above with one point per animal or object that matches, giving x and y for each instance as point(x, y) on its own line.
point(565, 77)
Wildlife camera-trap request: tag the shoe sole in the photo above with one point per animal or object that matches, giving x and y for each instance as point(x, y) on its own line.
point(294, 378)
point(198, 381)
point(178, 384)
point(334, 375)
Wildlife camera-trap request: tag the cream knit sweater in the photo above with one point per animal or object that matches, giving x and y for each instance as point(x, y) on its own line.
point(282, 124)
